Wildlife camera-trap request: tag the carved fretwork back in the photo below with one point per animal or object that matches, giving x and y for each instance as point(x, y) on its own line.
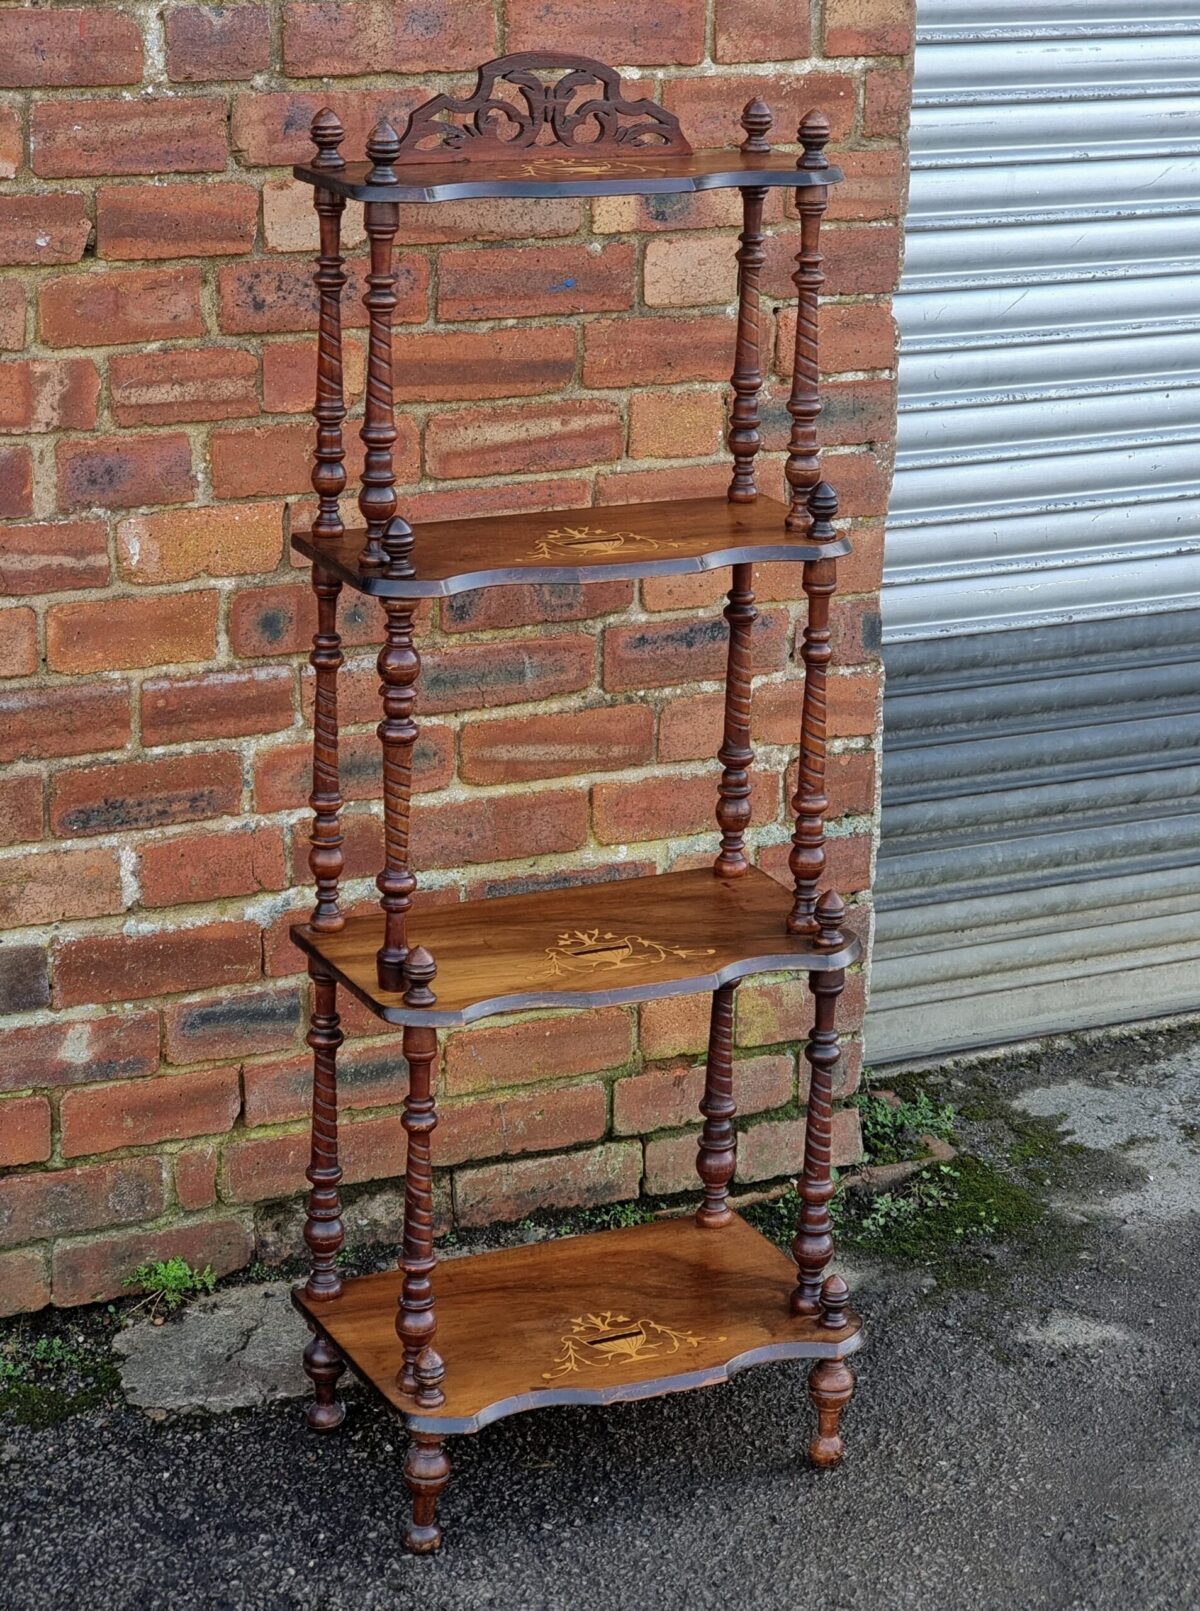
point(560, 104)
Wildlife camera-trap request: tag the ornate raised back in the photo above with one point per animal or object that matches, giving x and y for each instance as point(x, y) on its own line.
point(546, 100)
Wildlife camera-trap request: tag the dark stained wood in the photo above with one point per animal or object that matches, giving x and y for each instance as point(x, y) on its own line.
point(377, 499)
point(426, 1472)
point(324, 1367)
point(537, 175)
point(813, 1246)
point(806, 860)
point(617, 1315)
point(421, 1371)
point(804, 404)
point(325, 858)
point(399, 667)
point(830, 1386)
point(744, 436)
point(323, 1229)
point(636, 939)
point(735, 755)
point(716, 1157)
point(543, 100)
point(576, 545)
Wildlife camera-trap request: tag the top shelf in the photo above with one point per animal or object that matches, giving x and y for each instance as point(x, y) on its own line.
point(532, 175)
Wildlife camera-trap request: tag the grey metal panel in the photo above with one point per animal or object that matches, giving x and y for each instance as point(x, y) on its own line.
point(1041, 611)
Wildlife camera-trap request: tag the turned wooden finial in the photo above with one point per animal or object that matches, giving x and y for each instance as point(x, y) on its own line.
point(419, 970)
point(814, 136)
point(835, 1299)
point(327, 135)
point(822, 511)
point(383, 147)
point(756, 120)
point(831, 914)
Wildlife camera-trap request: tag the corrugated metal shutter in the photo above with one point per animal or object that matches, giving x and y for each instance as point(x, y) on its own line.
point(1039, 776)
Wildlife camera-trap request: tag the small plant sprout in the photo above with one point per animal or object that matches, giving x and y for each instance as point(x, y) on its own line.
point(168, 1283)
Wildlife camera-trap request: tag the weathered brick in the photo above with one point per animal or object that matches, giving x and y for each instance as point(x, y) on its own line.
point(525, 437)
point(83, 45)
point(748, 31)
point(508, 1191)
point(450, 364)
point(217, 42)
point(289, 367)
point(177, 545)
point(24, 1282)
point(116, 796)
point(494, 609)
point(282, 620)
point(130, 967)
point(76, 1051)
point(540, 1049)
point(52, 885)
point(658, 654)
point(49, 394)
point(212, 866)
point(60, 1201)
point(181, 220)
point(675, 1026)
point(874, 186)
point(887, 94)
point(183, 384)
point(480, 676)
point(527, 1121)
point(263, 1167)
point(232, 1026)
point(269, 295)
point(270, 128)
point(709, 107)
point(363, 36)
point(108, 306)
point(675, 425)
point(12, 141)
point(650, 486)
point(456, 502)
point(16, 483)
point(98, 1268)
point(512, 282)
point(689, 271)
point(54, 557)
point(258, 460)
point(775, 1012)
point(138, 1113)
point(20, 808)
point(671, 31)
point(868, 27)
point(280, 1088)
point(69, 719)
point(219, 704)
point(196, 1176)
point(566, 744)
point(652, 215)
point(24, 1131)
point(18, 641)
point(12, 315)
point(854, 336)
point(52, 228)
point(665, 807)
point(663, 1098)
point(24, 981)
point(121, 472)
point(283, 773)
point(290, 224)
point(167, 134)
point(774, 1148)
point(103, 635)
point(625, 352)
point(499, 828)
point(861, 259)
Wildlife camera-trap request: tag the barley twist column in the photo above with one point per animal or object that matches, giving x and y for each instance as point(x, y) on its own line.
point(744, 435)
point(377, 499)
point(813, 1246)
point(416, 1322)
point(399, 667)
point(806, 860)
point(717, 1156)
point(804, 405)
point(323, 1229)
point(735, 754)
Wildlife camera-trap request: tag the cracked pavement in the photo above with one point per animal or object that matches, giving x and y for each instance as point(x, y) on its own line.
point(1026, 1442)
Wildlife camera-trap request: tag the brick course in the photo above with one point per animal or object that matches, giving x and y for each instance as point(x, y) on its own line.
point(157, 320)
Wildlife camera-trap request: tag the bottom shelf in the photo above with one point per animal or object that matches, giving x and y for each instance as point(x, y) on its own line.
point(622, 1314)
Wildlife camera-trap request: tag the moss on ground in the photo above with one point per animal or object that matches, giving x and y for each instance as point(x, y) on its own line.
point(53, 1366)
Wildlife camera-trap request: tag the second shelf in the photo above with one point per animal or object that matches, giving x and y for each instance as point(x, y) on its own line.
point(590, 945)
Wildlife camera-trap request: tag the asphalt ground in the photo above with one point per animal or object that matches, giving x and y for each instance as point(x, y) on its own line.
point(1025, 1436)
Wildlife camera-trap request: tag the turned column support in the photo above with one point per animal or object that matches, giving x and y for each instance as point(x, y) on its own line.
point(745, 438)
point(329, 470)
point(416, 1321)
point(804, 404)
point(806, 860)
point(735, 754)
point(323, 1229)
point(325, 858)
point(813, 1246)
point(426, 1472)
point(717, 1156)
point(377, 499)
point(399, 666)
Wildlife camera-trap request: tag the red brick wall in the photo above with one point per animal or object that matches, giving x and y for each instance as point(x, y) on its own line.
point(156, 314)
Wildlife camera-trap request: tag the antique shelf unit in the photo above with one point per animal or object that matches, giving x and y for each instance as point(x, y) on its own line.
point(656, 1308)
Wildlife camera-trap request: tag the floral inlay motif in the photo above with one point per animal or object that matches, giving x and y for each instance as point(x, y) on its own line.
point(572, 540)
point(599, 1341)
point(594, 951)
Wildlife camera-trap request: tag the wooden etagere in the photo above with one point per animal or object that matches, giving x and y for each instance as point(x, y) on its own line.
point(669, 1305)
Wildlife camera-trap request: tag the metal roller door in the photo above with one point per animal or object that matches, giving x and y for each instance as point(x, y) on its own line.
point(1040, 863)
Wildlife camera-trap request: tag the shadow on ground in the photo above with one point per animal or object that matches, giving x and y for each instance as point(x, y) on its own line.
point(1026, 1435)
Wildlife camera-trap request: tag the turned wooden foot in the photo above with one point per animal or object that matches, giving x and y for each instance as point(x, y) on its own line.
point(426, 1471)
point(323, 1365)
point(830, 1386)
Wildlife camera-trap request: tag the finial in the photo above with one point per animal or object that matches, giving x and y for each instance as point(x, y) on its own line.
point(383, 147)
point(822, 511)
point(756, 120)
point(419, 971)
point(327, 134)
point(831, 914)
point(835, 1297)
point(814, 136)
